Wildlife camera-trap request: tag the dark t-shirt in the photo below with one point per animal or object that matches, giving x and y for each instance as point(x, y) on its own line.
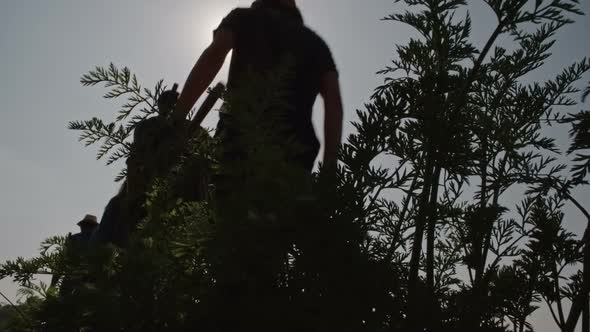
point(264, 39)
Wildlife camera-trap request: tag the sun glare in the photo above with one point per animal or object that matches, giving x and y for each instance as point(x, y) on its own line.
point(209, 18)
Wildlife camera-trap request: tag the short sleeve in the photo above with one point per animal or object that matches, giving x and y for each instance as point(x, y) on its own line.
point(232, 21)
point(323, 57)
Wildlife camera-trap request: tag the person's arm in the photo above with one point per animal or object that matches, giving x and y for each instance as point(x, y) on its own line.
point(330, 92)
point(203, 73)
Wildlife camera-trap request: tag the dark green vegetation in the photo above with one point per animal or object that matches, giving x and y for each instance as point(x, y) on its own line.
point(420, 229)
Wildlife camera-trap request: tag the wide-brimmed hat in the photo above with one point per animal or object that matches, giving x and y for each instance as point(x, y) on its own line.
point(88, 220)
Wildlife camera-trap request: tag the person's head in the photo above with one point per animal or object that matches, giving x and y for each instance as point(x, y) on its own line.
point(88, 224)
point(287, 6)
point(282, 3)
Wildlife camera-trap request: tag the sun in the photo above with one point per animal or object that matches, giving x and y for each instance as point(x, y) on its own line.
point(212, 13)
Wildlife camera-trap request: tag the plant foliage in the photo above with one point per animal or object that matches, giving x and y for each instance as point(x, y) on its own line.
point(448, 202)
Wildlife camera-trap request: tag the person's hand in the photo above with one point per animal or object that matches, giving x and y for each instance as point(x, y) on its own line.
point(328, 178)
point(330, 165)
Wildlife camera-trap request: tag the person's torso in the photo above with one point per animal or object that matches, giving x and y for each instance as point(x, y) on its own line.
point(269, 44)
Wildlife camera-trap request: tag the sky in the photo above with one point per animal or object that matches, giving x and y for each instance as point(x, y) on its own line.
point(49, 181)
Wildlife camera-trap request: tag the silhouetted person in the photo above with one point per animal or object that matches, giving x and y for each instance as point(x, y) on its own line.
point(268, 39)
point(77, 246)
point(262, 38)
point(87, 226)
point(158, 143)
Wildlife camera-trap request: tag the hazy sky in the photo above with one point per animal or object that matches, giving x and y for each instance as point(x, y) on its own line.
point(48, 181)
